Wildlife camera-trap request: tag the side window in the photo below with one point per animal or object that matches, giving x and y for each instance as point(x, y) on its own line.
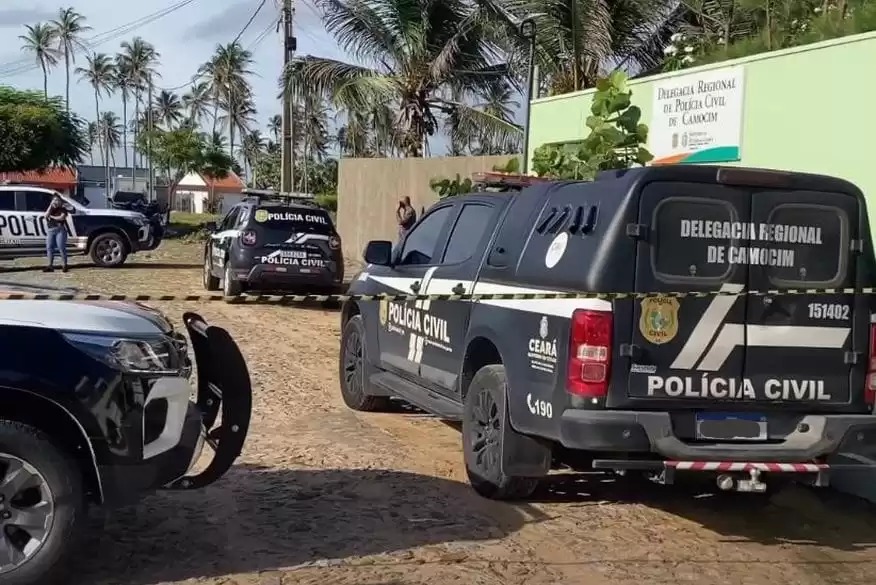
point(243, 218)
point(7, 200)
point(420, 244)
point(467, 233)
point(36, 201)
point(229, 220)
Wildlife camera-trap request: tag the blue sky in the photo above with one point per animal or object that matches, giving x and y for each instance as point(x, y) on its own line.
point(185, 39)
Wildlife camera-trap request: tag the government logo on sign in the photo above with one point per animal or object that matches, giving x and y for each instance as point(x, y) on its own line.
point(659, 320)
point(543, 327)
point(261, 215)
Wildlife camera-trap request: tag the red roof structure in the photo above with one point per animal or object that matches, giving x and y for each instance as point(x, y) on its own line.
point(231, 182)
point(54, 178)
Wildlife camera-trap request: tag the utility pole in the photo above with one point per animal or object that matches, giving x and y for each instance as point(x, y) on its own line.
point(150, 193)
point(287, 160)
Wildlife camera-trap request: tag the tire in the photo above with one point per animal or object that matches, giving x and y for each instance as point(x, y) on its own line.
point(230, 286)
point(352, 372)
point(109, 250)
point(60, 483)
point(483, 423)
point(210, 282)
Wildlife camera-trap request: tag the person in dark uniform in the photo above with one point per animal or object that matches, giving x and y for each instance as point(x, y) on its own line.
point(406, 216)
point(56, 233)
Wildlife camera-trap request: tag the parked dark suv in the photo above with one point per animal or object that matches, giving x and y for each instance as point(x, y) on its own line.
point(270, 245)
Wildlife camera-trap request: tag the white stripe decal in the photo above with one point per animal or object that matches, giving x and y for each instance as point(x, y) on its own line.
point(705, 329)
point(734, 335)
point(424, 289)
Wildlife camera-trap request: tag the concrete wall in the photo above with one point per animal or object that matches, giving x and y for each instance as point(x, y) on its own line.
point(369, 190)
point(805, 109)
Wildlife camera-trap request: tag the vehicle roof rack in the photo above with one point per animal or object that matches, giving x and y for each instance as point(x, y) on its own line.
point(498, 181)
point(279, 197)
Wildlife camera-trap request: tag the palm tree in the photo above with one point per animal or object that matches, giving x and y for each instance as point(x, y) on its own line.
point(142, 58)
point(41, 40)
point(275, 126)
point(168, 110)
point(217, 141)
point(421, 50)
point(579, 41)
point(239, 115)
point(253, 144)
point(68, 29)
point(110, 129)
point(92, 140)
point(99, 73)
point(197, 102)
point(123, 83)
point(227, 73)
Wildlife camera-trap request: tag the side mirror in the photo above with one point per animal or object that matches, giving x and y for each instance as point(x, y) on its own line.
point(378, 252)
point(210, 226)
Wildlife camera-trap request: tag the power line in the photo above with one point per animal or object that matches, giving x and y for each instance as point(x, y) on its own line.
point(259, 38)
point(249, 22)
point(25, 65)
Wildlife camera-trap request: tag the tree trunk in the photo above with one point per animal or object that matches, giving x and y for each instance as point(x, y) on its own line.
point(136, 127)
point(67, 67)
point(45, 80)
point(125, 125)
point(99, 136)
point(215, 115)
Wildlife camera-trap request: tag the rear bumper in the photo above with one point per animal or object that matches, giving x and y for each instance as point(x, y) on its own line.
point(618, 431)
point(279, 277)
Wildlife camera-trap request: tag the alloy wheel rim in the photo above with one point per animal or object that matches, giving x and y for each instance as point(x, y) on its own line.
point(353, 363)
point(109, 250)
point(484, 434)
point(27, 511)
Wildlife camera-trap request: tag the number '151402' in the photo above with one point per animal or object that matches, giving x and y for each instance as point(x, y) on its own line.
point(835, 311)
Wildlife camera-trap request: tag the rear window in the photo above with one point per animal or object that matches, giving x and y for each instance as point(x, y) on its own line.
point(814, 244)
point(293, 220)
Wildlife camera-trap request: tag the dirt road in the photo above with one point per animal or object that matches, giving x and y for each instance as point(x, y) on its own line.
point(325, 495)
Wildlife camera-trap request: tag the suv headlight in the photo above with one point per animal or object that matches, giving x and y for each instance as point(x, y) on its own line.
point(141, 220)
point(137, 356)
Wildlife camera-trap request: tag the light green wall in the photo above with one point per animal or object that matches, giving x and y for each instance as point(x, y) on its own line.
point(806, 109)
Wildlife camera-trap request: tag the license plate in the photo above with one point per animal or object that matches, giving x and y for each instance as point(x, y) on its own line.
point(293, 254)
point(725, 426)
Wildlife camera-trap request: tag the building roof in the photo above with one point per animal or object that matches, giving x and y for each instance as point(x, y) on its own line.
point(52, 176)
point(231, 182)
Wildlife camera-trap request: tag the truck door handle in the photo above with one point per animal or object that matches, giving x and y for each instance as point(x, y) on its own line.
point(459, 289)
point(415, 286)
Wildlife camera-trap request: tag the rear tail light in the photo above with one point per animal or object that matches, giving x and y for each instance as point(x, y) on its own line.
point(248, 238)
point(589, 353)
point(870, 387)
point(334, 242)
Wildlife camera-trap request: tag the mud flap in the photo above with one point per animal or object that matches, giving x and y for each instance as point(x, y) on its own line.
point(522, 455)
point(223, 387)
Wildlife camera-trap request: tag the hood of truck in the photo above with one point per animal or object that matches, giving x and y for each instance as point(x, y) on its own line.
point(100, 317)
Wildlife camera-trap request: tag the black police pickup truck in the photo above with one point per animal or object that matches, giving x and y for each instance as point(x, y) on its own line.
point(268, 245)
point(95, 408)
point(109, 236)
point(744, 388)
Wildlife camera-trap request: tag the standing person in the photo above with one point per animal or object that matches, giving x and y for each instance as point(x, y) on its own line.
point(56, 233)
point(406, 216)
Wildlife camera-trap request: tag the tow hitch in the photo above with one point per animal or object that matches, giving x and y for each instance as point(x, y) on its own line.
point(223, 387)
point(728, 483)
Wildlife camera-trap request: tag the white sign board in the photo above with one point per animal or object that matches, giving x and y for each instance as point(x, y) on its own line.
point(697, 118)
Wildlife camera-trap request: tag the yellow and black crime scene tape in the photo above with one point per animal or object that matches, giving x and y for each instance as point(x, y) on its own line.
point(291, 299)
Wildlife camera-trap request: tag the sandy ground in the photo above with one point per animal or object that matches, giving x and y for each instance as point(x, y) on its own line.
point(325, 495)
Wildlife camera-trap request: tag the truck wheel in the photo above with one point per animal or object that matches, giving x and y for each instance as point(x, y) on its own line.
point(483, 423)
point(230, 285)
point(42, 504)
point(352, 372)
point(210, 281)
point(109, 250)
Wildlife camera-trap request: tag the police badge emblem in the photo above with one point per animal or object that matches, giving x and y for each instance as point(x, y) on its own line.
point(543, 327)
point(659, 320)
point(382, 312)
